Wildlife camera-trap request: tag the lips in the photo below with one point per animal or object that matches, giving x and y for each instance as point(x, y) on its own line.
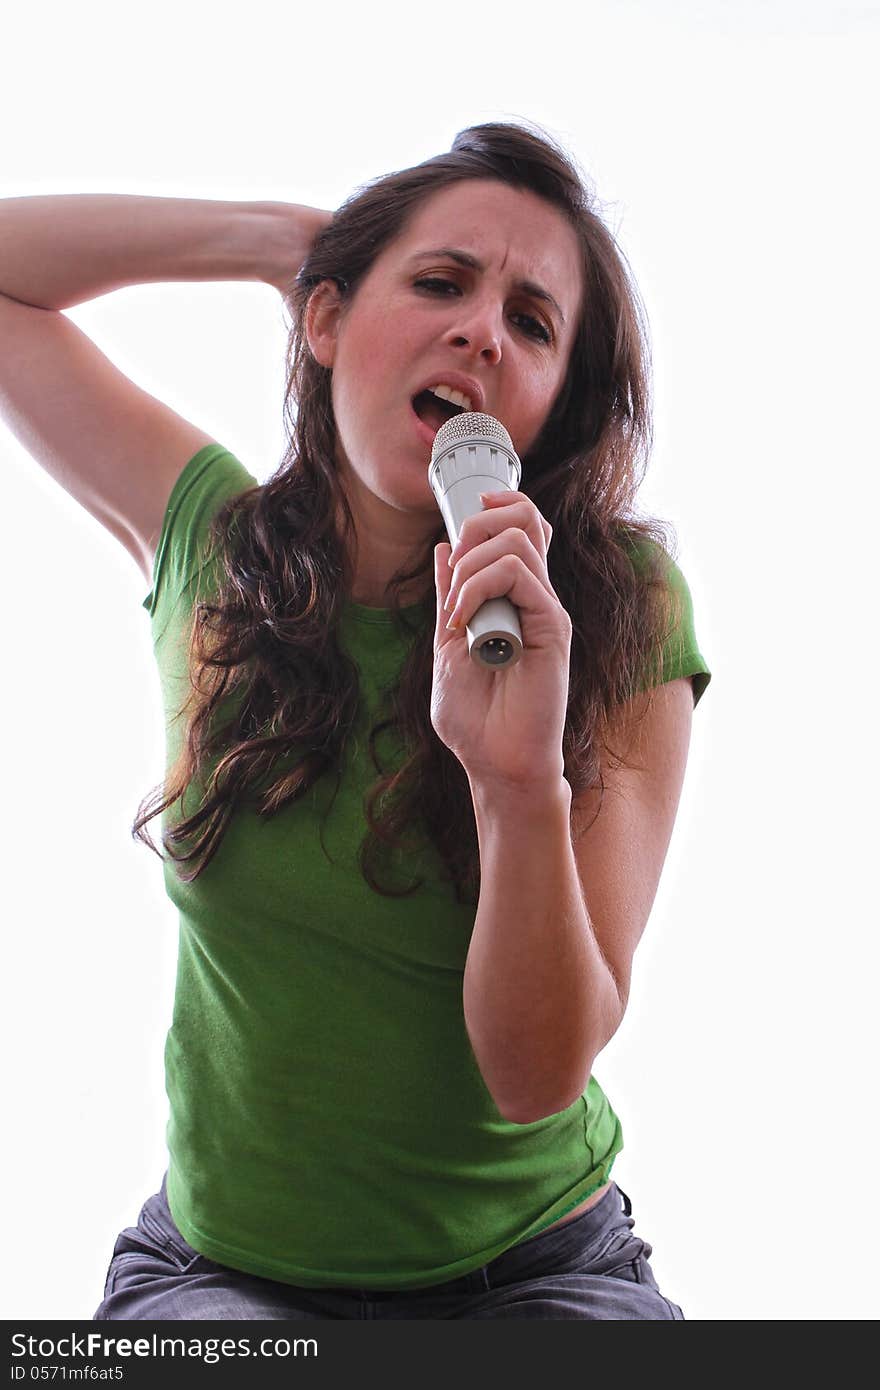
point(426, 429)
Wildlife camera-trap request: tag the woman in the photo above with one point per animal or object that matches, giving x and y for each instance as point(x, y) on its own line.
point(410, 888)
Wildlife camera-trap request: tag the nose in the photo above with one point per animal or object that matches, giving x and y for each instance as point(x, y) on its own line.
point(478, 327)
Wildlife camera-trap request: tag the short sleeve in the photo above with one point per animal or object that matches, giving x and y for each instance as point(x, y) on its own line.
point(680, 654)
point(211, 477)
point(681, 651)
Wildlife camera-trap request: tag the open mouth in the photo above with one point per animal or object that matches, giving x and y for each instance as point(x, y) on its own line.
point(433, 411)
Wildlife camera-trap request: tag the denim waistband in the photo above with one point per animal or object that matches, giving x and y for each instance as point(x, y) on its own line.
point(590, 1228)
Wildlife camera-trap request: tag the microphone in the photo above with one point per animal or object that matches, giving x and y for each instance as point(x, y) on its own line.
point(473, 453)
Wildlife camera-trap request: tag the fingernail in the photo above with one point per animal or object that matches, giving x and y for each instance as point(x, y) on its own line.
point(453, 623)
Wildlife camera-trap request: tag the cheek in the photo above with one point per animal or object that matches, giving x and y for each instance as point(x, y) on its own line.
point(351, 388)
point(537, 402)
point(363, 363)
point(536, 408)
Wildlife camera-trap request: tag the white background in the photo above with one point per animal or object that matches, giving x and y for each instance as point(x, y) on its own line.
point(734, 147)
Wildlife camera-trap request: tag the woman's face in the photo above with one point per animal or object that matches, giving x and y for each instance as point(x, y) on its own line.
point(499, 328)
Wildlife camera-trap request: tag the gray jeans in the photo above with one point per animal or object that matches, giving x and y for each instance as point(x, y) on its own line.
point(593, 1267)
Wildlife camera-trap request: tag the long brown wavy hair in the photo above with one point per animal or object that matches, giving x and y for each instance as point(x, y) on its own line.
point(263, 649)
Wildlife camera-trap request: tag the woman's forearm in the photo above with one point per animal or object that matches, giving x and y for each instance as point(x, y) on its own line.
point(539, 999)
point(58, 250)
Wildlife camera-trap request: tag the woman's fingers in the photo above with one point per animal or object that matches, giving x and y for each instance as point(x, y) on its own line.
point(476, 562)
point(503, 510)
point(292, 229)
point(501, 552)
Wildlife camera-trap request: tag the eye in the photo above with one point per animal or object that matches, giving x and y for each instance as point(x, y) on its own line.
point(431, 283)
point(537, 330)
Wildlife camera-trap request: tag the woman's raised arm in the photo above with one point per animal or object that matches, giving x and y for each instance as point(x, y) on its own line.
point(59, 250)
point(113, 447)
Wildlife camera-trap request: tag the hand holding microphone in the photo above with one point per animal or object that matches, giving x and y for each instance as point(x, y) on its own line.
point(473, 453)
point(506, 732)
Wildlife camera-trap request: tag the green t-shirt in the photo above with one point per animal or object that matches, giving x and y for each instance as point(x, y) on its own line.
point(329, 1126)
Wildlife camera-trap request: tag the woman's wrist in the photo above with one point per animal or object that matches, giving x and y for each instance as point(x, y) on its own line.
point(291, 233)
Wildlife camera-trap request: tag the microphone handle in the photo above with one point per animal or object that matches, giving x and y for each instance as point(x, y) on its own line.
point(494, 634)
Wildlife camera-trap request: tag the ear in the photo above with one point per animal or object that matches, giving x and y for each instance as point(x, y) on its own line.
point(322, 320)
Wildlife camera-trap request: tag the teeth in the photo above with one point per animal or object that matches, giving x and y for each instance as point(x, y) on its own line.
point(446, 393)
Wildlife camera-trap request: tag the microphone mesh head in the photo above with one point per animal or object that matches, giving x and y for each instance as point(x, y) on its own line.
point(466, 426)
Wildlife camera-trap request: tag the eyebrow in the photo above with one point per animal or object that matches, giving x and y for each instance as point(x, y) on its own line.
point(471, 263)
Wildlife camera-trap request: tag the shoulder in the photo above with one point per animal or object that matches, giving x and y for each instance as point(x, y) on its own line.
point(658, 568)
point(211, 478)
